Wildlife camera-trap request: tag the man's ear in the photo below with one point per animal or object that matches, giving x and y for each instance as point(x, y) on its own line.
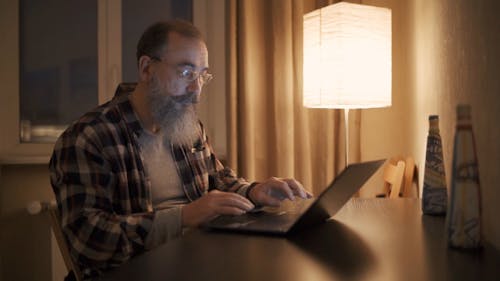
point(144, 68)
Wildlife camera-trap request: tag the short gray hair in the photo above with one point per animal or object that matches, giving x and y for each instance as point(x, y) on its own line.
point(155, 37)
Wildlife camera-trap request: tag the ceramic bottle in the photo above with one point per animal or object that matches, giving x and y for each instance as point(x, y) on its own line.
point(464, 212)
point(434, 194)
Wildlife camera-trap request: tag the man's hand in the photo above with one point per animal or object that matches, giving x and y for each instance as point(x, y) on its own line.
point(274, 190)
point(213, 204)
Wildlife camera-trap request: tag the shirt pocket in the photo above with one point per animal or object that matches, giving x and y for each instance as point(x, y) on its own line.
point(202, 164)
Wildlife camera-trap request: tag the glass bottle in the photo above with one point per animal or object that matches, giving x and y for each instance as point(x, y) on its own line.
point(434, 194)
point(464, 213)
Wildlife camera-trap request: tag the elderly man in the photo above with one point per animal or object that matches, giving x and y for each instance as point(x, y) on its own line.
point(136, 171)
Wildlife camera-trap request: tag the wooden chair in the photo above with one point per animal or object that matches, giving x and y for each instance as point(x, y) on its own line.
point(392, 174)
point(393, 178)
point(410, 177)
point(50, 208)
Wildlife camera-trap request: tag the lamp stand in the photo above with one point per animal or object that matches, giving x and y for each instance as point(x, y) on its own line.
point(346, 126)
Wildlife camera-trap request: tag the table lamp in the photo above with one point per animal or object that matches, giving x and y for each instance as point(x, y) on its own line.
point(347, 59)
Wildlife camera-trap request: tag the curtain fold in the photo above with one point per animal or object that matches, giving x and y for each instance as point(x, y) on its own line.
point(270, 132)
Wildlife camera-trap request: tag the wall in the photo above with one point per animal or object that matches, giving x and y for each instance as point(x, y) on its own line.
point(209, 17)
point(27, 249)
point(387, 132)
point(458, 41)
point(444, 53)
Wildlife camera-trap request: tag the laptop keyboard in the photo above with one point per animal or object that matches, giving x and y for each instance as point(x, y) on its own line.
point(287, 208)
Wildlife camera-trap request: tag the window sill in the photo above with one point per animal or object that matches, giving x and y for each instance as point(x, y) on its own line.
point(24, 159)
point(25, 153)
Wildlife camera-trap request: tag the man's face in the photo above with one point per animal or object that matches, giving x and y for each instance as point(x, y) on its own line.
point(172, 97)
point(182, 55)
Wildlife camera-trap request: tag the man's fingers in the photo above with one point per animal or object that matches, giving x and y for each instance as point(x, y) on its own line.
point(237, 201)
point(298, 189)
point(229, 210)
point(280, 189)
point(230, 199)
point(274, 190)
point(270, 201)
point(212, 205)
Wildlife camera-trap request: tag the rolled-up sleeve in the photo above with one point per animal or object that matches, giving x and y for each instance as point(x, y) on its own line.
point(167, 225)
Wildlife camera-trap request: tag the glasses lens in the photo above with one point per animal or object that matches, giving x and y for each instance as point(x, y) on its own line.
point(187, 74)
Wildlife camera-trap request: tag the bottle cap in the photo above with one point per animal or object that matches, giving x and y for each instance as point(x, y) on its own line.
point(434, 123)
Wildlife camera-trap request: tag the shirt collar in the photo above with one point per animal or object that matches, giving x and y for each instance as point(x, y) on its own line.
point(122, 101)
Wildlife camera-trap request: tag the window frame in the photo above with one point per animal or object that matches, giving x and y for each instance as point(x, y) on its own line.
point(209, 17)
point(12, 150)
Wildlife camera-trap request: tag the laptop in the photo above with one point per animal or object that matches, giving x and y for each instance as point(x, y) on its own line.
point(300, 213)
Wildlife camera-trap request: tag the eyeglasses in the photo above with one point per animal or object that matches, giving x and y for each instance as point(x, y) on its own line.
point(187, 74)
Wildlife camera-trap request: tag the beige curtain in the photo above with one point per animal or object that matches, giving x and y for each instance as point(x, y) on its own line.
point(270, 132)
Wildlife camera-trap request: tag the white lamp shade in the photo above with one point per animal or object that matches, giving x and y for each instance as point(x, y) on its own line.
point(347, 57)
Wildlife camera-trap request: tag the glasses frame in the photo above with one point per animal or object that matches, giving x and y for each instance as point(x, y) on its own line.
point(188, 75)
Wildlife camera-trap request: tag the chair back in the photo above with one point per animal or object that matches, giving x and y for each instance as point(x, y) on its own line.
point(393, 178)
point(410, 178)
point(392, 174)
point(51, 209)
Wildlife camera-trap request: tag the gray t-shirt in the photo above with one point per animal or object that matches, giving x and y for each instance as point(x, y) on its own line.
point(166, 189)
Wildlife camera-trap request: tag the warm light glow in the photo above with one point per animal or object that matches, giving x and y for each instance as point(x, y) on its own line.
point(347, 57)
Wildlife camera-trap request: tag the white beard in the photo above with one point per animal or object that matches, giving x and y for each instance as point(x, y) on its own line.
point(176, 116)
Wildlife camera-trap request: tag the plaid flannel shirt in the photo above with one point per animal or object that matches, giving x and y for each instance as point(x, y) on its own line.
point(101, 188)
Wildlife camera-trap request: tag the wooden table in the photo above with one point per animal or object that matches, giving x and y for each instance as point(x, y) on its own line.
point(369, 239)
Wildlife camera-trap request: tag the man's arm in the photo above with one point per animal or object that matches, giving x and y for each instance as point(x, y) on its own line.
point(268, 193)
point(229, 194)
point(84, 183)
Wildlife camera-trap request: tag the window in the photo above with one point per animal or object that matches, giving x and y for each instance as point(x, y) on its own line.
point(58, 65)
point(60, 59)
point(59, 56)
